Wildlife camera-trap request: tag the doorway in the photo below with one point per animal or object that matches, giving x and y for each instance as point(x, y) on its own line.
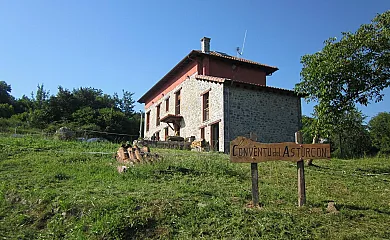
point(214, 141)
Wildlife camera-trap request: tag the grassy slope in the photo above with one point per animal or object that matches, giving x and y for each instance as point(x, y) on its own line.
point(50, 189)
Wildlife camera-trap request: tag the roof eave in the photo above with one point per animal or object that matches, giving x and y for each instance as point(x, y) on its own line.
point(166, 76)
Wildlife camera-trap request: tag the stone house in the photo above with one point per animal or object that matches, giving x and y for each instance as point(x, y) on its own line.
point(214, 96)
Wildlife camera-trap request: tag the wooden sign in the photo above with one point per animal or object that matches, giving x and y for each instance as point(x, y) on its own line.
point(245, 150)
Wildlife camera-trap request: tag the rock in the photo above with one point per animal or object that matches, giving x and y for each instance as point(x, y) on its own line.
point(331, 207)
point(64, 133)
point(122, 169)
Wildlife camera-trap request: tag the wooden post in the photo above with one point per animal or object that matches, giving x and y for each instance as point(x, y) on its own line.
point(255, 184)
point(301, 174)
point(255, 178)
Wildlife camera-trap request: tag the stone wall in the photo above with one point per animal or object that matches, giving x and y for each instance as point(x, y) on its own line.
point(272, 116)
point(192, 106)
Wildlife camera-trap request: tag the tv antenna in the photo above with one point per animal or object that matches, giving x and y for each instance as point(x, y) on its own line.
point(240, 52)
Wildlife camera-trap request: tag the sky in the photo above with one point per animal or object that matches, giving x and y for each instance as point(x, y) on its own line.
point(113, 45)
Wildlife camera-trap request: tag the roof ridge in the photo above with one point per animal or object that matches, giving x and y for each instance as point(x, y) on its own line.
point(227, 56)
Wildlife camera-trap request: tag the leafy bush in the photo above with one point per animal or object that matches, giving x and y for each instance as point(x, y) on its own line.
point(380, 132)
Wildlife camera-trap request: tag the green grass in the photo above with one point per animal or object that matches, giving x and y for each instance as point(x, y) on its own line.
point(59, 190)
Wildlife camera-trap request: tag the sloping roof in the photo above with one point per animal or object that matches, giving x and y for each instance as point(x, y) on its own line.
point(210, 78)
point(190, 57)
point(241, 83)
point(269, 69)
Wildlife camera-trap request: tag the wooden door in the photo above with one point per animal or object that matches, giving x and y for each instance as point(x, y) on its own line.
point(214, 135)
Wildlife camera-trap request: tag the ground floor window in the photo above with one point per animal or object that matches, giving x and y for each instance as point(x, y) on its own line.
point(202, 133)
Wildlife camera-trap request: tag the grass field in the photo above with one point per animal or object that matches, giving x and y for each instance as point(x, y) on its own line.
point(65, 190)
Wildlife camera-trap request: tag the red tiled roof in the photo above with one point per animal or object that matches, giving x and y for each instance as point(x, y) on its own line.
point(262, 87)
point(189, 58)
point(210, 78)
point(222, 55)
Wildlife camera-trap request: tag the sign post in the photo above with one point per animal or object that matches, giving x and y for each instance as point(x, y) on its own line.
point(255, 178)
point(301, 174)
point(245, 150)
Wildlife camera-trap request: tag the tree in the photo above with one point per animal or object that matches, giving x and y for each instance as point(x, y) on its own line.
point(6, 110)
point(94, 98)
point(344, 73)
point(23, 104)
point(380, 131)
point(62, 105)
point(350, 137)
point(5, 93)
point(85, 116)
point(38, 118)
point(127, 106)
point(41, 97)
point(307, 128)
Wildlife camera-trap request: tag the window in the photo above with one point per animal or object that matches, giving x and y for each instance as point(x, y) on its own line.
point(206, 110)
point(167, 105)
point(158, 115)
point(158, 136)
point(166, 134)
point(202, 133)
point(147, 120)
point(177, 102)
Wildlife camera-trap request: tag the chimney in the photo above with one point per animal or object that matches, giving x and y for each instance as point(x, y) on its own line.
point(205, 44)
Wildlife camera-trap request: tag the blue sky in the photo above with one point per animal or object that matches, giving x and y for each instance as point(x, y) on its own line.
point(115, 45)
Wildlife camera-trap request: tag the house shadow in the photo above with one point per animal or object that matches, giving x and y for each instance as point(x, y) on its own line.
point(361, 208)
point(352, 207)
point(318, 167)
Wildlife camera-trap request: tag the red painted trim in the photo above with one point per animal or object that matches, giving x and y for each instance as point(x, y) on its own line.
point(171, 84)
point(212, 123)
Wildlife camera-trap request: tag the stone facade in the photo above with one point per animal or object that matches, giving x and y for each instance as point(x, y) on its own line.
point(191, 92)
point(272, 116)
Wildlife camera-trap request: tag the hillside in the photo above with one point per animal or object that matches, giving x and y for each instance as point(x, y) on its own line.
point(71, 190)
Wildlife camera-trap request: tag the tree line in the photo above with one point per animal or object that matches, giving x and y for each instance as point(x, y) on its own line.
point(347, 73)
point(354, 138)
point(82, 109)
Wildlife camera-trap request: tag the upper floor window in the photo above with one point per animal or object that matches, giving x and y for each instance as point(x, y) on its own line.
point(206, 106)
point(147, 121)
point(158, 115)
point(167, 105)
point(177, 102)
